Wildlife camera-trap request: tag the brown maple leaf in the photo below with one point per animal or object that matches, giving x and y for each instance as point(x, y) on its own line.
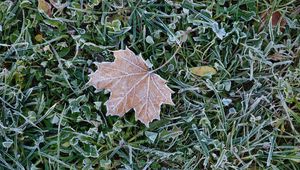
point(132, 86)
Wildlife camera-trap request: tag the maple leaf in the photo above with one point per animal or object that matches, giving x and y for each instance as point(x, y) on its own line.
point(132, 86)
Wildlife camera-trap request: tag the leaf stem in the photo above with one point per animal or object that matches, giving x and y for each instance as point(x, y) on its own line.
point(169, 60)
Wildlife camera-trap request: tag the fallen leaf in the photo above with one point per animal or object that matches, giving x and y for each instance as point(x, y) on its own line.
point(132, 86)
point(39, 37)
point(276, 17)
point(44, 7)
point(203, 70)
point(276, 57)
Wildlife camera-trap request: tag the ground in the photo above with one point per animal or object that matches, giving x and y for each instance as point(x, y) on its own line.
point(245, 116)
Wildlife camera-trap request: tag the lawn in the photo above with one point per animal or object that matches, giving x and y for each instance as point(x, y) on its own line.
point(243, 113)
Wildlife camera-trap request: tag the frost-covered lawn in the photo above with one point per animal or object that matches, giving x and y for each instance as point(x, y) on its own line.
point(243, 114)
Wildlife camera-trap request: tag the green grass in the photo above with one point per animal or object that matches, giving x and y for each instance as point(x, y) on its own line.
point(247, 116)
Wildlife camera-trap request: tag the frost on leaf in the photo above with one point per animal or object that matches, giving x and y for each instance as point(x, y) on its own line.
point(132, 86)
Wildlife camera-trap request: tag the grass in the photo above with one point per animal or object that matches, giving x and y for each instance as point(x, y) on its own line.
point(247, 116)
